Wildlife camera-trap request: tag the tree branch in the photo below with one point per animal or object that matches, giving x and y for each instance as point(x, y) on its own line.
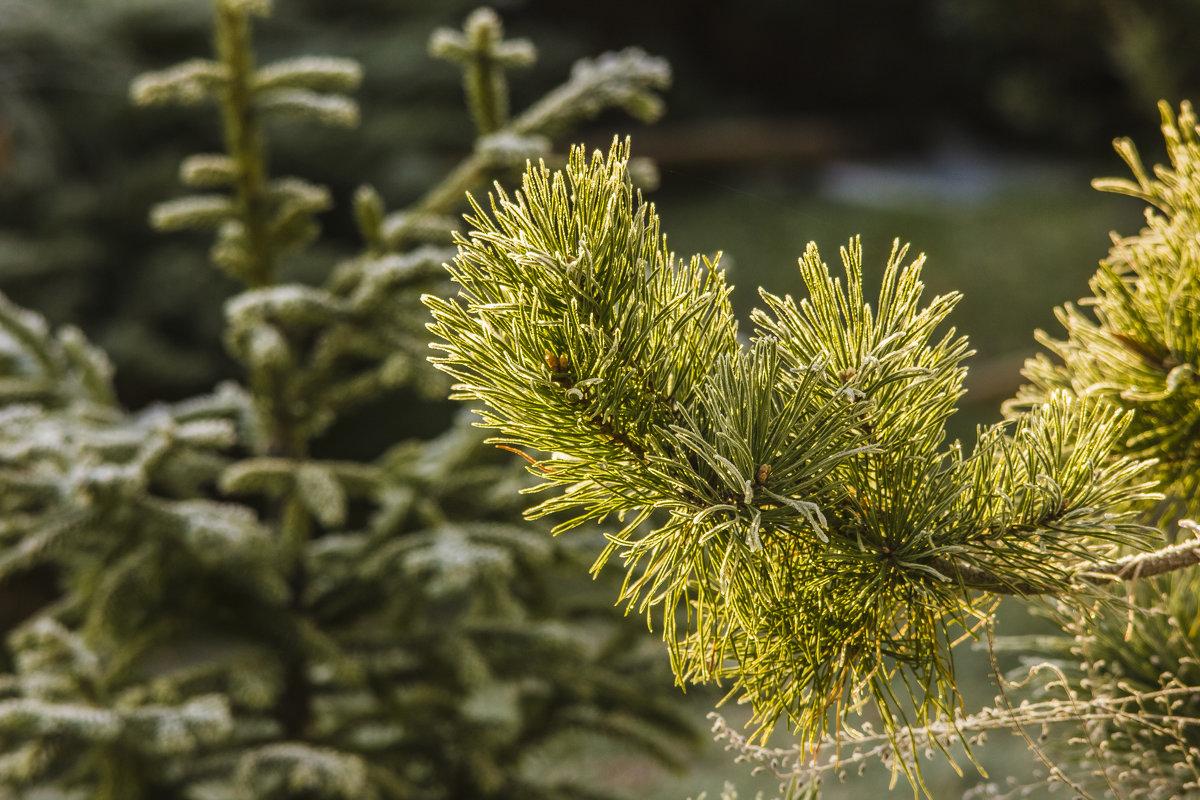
point(1140, 565)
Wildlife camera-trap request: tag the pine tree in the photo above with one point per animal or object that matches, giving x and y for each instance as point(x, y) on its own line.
point(242, 615)
point(247, 612)
point(790, 508)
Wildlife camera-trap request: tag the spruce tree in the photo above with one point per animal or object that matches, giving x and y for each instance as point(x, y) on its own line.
point(241, 614)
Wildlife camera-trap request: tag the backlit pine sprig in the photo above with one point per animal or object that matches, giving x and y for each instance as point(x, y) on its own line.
point(793, 502)
point(1136, 342)
point(1134, 345)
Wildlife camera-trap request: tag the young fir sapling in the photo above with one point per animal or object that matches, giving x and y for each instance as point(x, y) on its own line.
point(243, 616)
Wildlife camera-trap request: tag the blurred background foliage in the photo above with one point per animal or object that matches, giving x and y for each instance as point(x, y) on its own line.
point(969, 127)
point(889, 114)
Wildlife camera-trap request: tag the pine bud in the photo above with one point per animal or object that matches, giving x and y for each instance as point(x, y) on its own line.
point(761, 474)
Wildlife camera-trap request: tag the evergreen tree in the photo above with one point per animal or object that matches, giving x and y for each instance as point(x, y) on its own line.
point(79, 164)
point(245, 611)
point(242, 615)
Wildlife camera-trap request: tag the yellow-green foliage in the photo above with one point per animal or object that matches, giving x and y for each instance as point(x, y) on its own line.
point(1135, 345)
point(790, 507)
point(1136, 342)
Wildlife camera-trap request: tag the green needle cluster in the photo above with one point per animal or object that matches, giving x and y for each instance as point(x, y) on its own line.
point(789, 505)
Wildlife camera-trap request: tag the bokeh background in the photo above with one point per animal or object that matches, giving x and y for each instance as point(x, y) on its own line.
point(969, 128)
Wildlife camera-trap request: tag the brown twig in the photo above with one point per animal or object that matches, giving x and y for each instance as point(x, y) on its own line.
point(525, 456)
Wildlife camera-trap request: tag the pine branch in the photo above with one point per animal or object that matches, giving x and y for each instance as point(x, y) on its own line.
point(1136, 342)
point(1130, 568)
point(793, 501)
point(1133, 346)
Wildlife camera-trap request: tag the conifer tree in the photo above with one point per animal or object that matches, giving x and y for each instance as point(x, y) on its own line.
point(79, 164)
point(790, 510)
point(242, 616)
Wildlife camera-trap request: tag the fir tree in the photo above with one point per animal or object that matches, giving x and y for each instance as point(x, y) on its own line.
point(79, 164)
point(242, 616)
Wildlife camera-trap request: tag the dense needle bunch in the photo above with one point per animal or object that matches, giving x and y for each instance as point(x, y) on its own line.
point(1135, 345)
point(791, 506)
point(1138, 345)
